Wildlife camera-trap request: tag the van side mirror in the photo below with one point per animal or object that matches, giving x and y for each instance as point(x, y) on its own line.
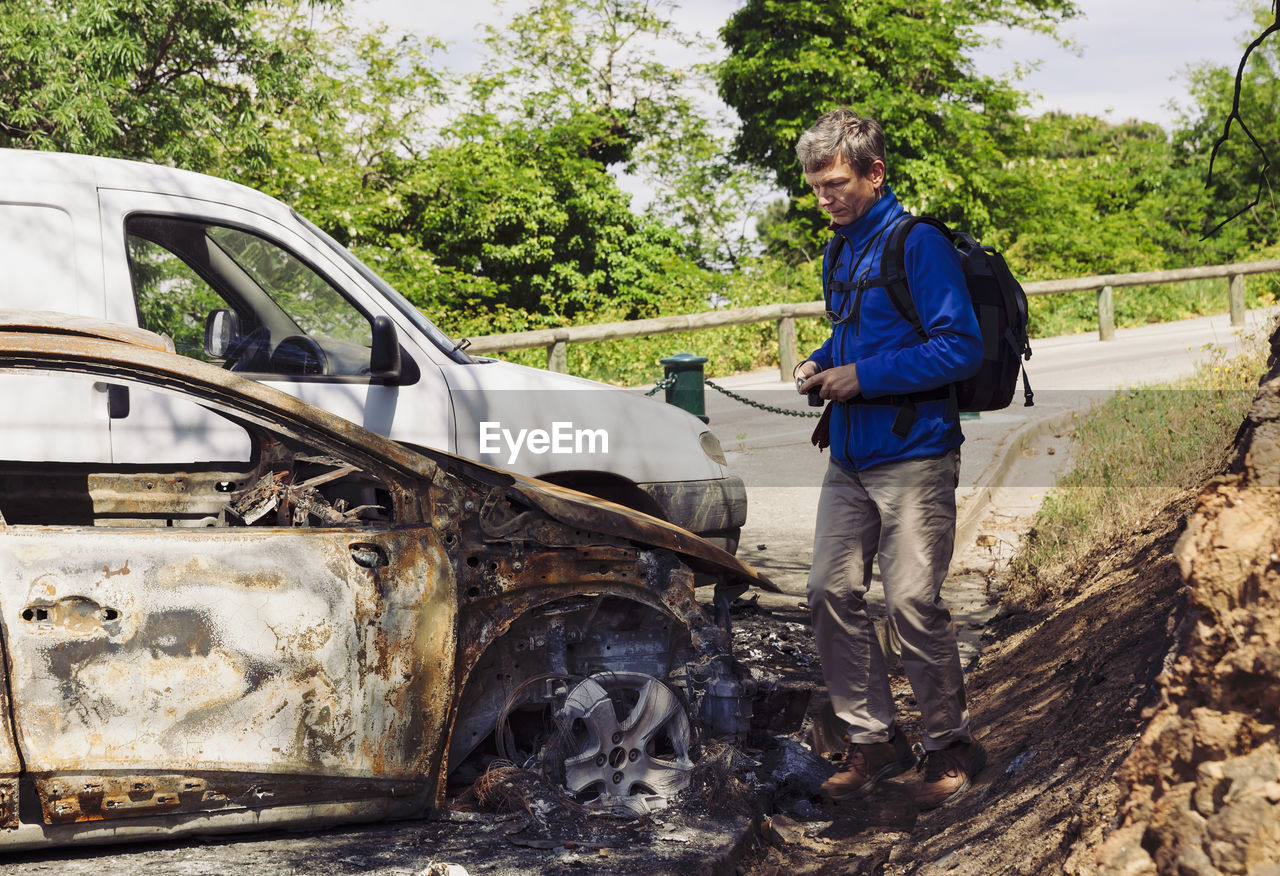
point(384, 356)
point(221, 329)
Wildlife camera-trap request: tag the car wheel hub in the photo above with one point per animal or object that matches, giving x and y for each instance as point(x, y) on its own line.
point(631, 733)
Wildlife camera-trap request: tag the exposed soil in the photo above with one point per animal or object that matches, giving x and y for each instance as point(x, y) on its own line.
point(1200, 793)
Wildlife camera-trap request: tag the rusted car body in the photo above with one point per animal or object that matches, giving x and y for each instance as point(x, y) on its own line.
point(318, 632)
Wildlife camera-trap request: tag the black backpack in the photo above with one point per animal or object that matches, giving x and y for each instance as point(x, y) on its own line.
point(998, 302)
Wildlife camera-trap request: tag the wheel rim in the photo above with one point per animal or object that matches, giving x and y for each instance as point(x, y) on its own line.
point(642, 750)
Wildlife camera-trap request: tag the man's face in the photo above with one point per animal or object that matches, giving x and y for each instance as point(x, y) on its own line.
point(842, 193)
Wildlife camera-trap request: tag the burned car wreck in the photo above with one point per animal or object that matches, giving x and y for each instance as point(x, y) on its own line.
point(325, 628)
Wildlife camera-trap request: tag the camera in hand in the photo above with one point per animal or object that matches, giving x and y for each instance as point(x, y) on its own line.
point(815, 400)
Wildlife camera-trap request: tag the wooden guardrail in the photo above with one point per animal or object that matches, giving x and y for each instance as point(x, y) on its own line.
point(556, 340)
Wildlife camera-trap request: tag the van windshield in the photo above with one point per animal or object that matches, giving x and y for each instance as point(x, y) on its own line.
point(450, 347)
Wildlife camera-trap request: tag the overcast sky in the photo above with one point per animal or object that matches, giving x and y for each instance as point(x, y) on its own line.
point(1132, 52)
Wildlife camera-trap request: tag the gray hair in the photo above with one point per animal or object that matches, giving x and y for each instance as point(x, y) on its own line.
point(842, 131)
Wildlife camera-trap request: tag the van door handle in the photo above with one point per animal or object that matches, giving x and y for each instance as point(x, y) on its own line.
point(117, 402)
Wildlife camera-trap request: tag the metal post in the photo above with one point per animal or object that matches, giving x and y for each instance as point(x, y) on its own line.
point(787, 344)
point(1106, 315)
point(1236, 295)
point(558, 354)
point(686, 391)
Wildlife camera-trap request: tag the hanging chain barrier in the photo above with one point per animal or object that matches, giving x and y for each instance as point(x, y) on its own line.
point(755, 404)
point(669, 380)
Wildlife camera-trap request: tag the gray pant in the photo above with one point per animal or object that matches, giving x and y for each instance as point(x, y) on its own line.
point(904, 513)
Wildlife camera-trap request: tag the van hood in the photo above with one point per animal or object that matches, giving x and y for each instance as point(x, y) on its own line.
point(572, 424)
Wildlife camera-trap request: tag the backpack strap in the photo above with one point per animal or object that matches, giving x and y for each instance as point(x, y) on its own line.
point(893, 271)
point(830, 259)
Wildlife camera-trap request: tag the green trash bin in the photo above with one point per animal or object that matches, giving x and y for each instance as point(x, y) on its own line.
point(686, 390)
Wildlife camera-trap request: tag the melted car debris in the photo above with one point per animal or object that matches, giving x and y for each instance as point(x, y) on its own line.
point(297, 504)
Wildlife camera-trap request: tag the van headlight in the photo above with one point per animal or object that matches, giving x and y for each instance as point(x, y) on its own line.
point(711, 447)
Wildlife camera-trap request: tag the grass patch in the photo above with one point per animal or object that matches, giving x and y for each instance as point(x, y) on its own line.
point(1131, 455)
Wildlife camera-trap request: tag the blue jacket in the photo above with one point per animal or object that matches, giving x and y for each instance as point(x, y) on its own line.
point(891, 357)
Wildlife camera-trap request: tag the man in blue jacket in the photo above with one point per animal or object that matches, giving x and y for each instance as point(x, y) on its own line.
point(888, 493)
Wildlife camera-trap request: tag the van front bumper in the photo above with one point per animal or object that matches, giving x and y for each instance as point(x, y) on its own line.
point(715, 509)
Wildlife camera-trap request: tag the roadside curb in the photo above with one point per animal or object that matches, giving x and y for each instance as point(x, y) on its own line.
point(975, 506)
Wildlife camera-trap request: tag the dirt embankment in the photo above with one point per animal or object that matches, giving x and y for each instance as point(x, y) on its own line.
point(1132, 727)
point(1201, 791)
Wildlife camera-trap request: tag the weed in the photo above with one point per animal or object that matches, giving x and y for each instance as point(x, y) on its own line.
point(1131, 455)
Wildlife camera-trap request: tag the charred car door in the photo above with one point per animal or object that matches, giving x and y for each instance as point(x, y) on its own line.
point(250, 640)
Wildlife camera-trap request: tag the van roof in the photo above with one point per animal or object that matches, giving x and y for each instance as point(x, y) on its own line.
point(118, 173)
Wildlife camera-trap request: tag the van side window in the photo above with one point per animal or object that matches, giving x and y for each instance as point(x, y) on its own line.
point(172, 298)
point(268, 312)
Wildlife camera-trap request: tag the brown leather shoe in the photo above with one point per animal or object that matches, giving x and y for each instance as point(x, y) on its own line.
point(948, 773)
point(865, 764)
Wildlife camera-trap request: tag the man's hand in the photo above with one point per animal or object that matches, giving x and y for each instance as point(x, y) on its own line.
point(803, 372)
point(839, 383)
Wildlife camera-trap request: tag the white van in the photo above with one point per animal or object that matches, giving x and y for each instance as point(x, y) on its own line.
point(237, 278)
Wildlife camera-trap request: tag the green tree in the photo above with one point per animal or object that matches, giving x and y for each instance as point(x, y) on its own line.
point(788, 234)
point(345, 146)
point(566, 59)
point(530, 211)
point(905, 64)
point(501, 223)
point(1084, 196)
point(357, 120)
point(699, 190)
point(605, 63)
point(174, 81)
